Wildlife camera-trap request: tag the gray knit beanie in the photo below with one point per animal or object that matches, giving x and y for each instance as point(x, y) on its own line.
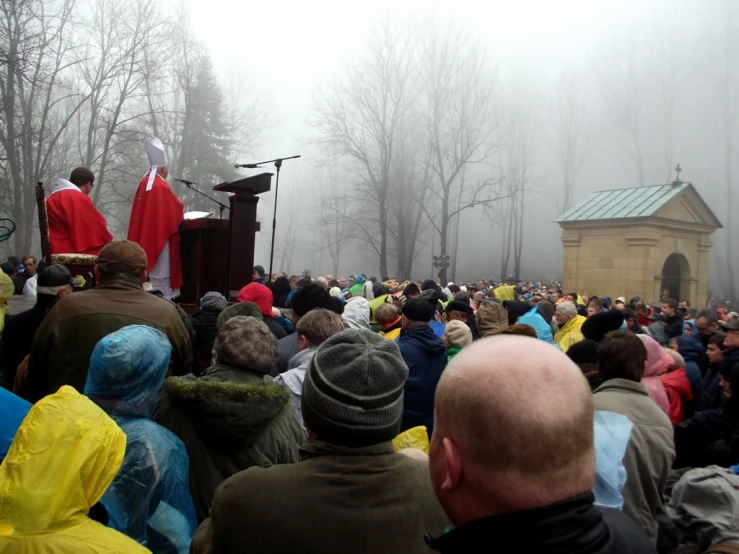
point(353, 389)
point(213, 302)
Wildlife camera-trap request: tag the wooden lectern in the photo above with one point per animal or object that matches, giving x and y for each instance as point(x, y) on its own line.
point(243, 227)
point(204, 256)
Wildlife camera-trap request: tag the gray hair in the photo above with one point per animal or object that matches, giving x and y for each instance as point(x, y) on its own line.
point(568, 309)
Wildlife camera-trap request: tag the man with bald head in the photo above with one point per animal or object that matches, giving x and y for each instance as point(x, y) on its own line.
point(512, 459)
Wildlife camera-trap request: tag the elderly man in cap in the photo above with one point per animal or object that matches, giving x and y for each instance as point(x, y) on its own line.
point(460, 310)
point(350, 491)
point(60, 353)
point(54, 282)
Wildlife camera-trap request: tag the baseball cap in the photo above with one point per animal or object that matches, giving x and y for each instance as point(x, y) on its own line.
point(122, 256)
point(458, 306)
point(56, 275)
point(731, 325)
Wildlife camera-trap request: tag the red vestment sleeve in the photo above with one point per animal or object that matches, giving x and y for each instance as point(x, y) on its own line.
point(155, 219)
point(75, 225)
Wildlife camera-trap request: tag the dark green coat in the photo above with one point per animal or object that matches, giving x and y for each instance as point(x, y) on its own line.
point(336, 500)
point(229, 419)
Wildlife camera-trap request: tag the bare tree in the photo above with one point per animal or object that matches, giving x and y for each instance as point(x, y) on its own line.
point(726, 87)
point(36, 39)
point(335, 231)
point(358, 117)
point(457, 94)
point(518, 163)
point(623, 85)
point(568, 114)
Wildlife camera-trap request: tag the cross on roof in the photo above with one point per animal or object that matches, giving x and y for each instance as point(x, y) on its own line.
point(678, 170)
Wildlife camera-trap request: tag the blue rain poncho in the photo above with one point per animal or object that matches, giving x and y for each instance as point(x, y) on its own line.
point(611, 432)
point(149, 500)
point(535, 320)
point(12, 411)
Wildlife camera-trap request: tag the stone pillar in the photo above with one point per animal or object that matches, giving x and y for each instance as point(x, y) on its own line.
point(641, 247)
point(700, 273)
point(570, 246)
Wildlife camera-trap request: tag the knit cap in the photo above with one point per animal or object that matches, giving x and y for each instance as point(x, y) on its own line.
point(353, 389)
point(458, 334)
point(245, 342)
point(213, 302)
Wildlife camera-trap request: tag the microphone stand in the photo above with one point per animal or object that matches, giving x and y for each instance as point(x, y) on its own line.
point(191, 186)
point(278, 165)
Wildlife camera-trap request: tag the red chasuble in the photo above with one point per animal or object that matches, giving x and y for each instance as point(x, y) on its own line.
point(155, 219)
point(75, 225)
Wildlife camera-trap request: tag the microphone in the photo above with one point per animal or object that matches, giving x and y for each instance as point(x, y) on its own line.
point(247, 166)
point(184, 181)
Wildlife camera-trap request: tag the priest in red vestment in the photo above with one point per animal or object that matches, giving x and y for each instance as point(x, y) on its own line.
point(75, 225)
point(155, 221)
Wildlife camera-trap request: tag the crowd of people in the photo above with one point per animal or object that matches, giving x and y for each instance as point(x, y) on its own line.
point(353, 414)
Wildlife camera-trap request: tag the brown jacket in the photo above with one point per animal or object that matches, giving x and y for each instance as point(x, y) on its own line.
point(60, 353)
point(649, 454)
point(336, 500)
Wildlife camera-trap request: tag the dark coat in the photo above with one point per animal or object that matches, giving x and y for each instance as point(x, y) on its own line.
point(60, 353)
point(18, 336)
point(229, 420)
point(204, 324)
point(19, 280)
point(426, 357)
point(571, 526)
point(335, 500)
point(696, 361)
point(675, 326)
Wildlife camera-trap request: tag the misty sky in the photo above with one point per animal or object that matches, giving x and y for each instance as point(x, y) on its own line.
point(287, 49)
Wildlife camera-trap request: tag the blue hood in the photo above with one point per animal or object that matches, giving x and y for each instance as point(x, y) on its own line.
point(695, 357)
point(425, 339)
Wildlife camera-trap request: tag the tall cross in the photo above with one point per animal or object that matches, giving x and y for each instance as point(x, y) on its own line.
point(678, 170)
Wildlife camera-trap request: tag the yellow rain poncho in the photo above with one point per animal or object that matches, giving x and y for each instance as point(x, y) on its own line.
point(64, 455)
point(7, 288)
point(505, 292)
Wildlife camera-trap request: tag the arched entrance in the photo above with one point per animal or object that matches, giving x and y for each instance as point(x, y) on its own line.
point(675, 277)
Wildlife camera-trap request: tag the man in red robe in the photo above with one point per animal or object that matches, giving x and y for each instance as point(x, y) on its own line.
point(155, 221)
point(75, 225)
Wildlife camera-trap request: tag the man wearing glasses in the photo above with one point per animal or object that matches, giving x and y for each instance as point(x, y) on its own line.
point(75, 224)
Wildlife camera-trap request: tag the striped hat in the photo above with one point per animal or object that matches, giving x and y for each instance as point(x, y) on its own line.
point(353, 389)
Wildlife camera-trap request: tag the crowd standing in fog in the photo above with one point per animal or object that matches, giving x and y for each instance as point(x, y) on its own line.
point(354, 414)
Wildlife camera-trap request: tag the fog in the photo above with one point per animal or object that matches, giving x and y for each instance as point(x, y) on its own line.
point(406, 112)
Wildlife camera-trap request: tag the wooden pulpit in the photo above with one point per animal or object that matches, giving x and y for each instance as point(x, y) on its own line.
point(204, 256)
point(243, 227)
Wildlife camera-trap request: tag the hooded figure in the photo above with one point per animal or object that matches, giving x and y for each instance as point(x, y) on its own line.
point(7, 289)
point(204, 324)
point(65, 454)
point(657, 363)
point(491, 318)
point(262, 297)
point(357, 313)
point(280, 291)
point(696, 361)
point(233, 416)
point(149, 500)
point(514, 309)
point(535, 319)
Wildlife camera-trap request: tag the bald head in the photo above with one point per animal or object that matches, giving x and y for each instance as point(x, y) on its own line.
point(513, 429)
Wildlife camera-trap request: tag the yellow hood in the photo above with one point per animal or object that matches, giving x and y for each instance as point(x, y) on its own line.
point(65, 454)
point(505, 292)
point(7, 288)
